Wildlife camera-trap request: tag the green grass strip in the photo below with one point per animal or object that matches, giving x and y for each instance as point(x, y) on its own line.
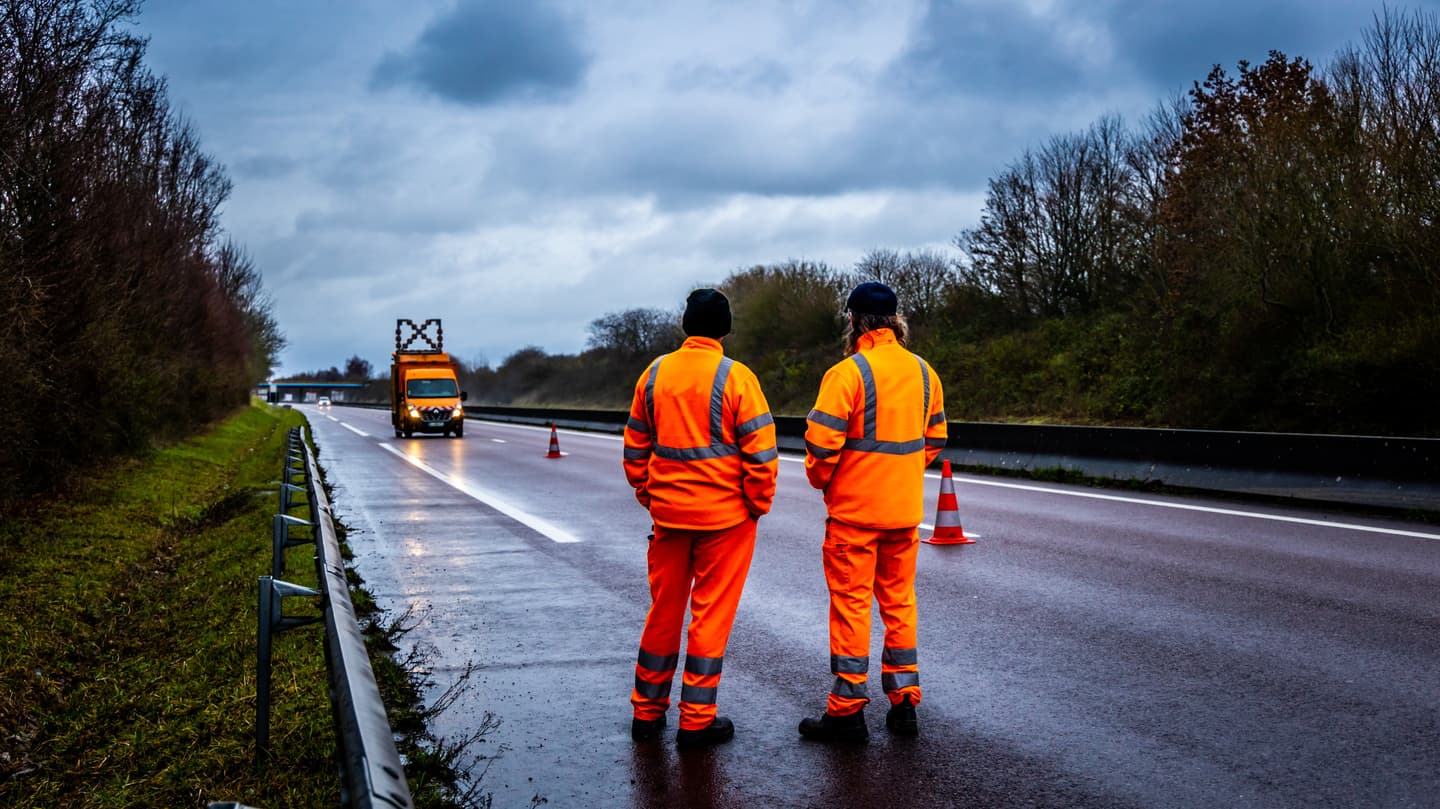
point(127, 636)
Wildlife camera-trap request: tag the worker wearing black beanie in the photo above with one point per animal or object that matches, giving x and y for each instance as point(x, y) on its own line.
point(700, 453)
point(707, 314)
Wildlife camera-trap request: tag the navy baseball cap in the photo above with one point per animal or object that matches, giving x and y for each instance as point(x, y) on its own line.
point(872, 298)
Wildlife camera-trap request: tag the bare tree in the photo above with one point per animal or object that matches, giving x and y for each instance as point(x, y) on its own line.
point(880, 264)
point(357, 369)
point(1059, 234)
point(635, 332)
point(919, 278)
point(114, 288)
point(1152, 163)
point(1389, 85)
point(1000, 254)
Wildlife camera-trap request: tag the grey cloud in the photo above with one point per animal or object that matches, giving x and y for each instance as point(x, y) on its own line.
point(983, 49)
point(1175, 46)
point(264, 167)
point(756, 77)
point(258, 42)
point(222, 63)
point(1000, 50)
point(487, 51)
point(687, 159)
point(385, 216)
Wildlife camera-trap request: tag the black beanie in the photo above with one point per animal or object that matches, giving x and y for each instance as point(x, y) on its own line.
point(707, 314)
point(872, 298)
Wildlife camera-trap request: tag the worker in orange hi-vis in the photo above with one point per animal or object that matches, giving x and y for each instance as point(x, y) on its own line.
point(700, 452)
point(878, 421)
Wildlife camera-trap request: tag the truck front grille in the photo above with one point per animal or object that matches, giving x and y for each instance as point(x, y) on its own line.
point(435, 413)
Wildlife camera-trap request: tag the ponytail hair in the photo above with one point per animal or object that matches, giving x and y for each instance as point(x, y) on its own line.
point(858, 324)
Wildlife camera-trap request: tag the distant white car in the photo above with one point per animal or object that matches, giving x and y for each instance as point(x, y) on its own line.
point(324, 401)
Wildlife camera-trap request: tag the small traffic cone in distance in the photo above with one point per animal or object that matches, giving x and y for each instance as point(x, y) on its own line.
point(554, 444)
point(947, 515)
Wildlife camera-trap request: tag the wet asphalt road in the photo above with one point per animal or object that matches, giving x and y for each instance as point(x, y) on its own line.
point(1095, 648)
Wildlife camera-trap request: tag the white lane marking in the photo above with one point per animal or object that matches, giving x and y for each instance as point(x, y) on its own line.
point(1097, 496)
point(498, 440)
point(332, 418)
point(1189, 507)
point(490, 499)
point(355, 431)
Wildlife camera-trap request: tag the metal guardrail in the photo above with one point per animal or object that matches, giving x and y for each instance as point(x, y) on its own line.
point(1375, 471)
point(371, 774)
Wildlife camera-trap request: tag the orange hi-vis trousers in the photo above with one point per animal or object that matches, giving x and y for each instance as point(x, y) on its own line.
point(862, 564)
point(717, 563)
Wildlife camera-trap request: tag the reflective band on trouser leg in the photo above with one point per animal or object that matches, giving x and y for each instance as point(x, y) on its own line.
point(900, 680)
point(849, 690)
point(698, 695)
point(849, 556)
point(895, 595)
point(669, 561)
point(653, 676)
point(721, 563)
point(898, 657)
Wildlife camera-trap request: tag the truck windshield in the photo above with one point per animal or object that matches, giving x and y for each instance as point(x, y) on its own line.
point(430, 388)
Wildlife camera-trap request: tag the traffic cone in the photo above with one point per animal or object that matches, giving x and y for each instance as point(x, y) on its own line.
point(554, 445)
point(947, 515)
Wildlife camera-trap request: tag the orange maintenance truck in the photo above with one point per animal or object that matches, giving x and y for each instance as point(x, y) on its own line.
point(425, 396)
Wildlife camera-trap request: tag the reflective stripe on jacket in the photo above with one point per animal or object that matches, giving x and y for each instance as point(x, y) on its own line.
point(700, 443)
point(878, 422)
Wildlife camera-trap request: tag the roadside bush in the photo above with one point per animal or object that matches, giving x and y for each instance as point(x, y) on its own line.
point(123, 315)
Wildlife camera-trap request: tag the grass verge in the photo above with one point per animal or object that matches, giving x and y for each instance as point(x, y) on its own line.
point(128, 653)
point(127, 656)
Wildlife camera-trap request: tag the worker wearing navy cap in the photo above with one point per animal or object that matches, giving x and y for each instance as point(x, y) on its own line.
point(878, 421)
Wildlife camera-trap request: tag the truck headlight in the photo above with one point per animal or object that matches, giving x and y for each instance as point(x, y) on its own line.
point(459, 412)
point(414, 411)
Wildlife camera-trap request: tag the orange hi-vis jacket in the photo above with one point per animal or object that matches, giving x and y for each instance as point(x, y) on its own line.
point(878, 421)
point(700, 443)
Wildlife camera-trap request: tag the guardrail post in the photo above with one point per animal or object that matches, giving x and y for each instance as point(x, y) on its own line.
point(286, 490)
point(272, 621)
point(295, 457)
point(291, 470)
point(280, 540)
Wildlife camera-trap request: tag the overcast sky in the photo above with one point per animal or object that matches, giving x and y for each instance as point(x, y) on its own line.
point(521, 168)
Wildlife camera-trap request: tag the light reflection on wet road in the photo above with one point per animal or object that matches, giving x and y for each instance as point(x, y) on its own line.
point(1088, 652)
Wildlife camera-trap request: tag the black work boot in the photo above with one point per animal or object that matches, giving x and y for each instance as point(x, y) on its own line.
point(901, 719)
point(848, 728)
point(719, 731)
point(643, 730)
